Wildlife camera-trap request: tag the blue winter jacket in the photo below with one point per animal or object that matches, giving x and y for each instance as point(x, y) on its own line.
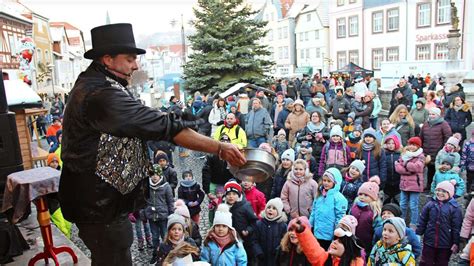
point(440, 223)
point(374, 166)
point(267, 237)
point(410, 235)
point(350, 190)
point(328, 210)
point(282, 115)
point(232, 254)
point(447, 176)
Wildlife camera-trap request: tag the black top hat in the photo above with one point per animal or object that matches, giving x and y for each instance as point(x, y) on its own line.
point(112, 39)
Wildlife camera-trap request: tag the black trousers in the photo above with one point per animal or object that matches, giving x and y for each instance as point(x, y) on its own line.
point(109, 243)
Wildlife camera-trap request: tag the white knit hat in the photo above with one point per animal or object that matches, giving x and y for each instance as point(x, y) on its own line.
point(277, 203)
point(288, 154)
point(175, 219)
point(336, 130)
point(359, 165)
point(223, 216)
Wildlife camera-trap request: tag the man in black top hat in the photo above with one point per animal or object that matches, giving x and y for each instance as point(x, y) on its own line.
point(105, 163)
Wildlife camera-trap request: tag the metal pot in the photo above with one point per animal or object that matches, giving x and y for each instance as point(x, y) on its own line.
point(260, 164)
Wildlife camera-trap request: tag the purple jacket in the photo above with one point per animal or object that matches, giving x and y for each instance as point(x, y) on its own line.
point(434, 137)
point(411, 173)
point(334, 156)
point(366, 224)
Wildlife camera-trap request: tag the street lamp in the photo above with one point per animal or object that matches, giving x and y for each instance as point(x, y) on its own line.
point(51, 66)
point(173, 22)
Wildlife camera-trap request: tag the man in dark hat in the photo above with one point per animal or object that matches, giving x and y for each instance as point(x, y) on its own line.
point(105, 162)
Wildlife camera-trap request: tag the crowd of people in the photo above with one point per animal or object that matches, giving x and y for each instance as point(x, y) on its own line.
point(347, 184)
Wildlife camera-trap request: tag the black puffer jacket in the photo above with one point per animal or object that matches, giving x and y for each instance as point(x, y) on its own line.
point(246, 218)
point(97, 107)
point(214, 171)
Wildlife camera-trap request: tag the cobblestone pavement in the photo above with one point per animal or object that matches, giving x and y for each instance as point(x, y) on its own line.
point(194, 163)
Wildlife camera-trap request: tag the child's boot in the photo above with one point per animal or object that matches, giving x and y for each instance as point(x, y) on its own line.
point(149, 243)
point(141, 244)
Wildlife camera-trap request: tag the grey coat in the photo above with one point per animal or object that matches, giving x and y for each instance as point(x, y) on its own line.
point(161, 201)
point(258, 124)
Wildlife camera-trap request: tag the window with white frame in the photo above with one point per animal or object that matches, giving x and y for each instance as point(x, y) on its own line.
point(377, 58)
point(441, 51)
point(340, 2)
point(316, 34)
point(377, 22)
point(280, 35)
point(308, 53)
point(424, 15)
point(353, 26)
point(285, 32)
point(306, 36)
point(341, 59)
point(285, 52)
point(392, 54)
point(393, 19)
point(280, 52)
point(308, 17)
point(423, 52)
point(318, 52)
point(444, 12)
point(354, 56)
point(341, 27)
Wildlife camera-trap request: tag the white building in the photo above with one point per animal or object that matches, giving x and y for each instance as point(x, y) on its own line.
point(312, 39)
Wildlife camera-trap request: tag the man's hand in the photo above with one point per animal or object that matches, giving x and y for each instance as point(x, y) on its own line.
point(231, 154)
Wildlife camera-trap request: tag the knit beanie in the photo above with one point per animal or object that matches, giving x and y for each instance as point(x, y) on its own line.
point(277, 203)
point(266, 147)
point(157, 170)
point(453, 141)
point(351, 115)
point(223, 216)
point(395, 140)
point(282, 132)
point(358, 127)
point(175, 219)
point(369, 132)
point(300, 102)
point(288, 154)
point(350, 222)
point(339, 88)
point(233, 186)
point(181, 208)
point(288, 101)
point(336, 130)
point(415, 141)
point(51, 157)
point(435, 111)
point(304, 221)
point(393, 208)
point(447, 186)
point(319, 96)
point(371, 187)
point(448, 158)
point(161, 155)
point(360, 165)
point(399, 225)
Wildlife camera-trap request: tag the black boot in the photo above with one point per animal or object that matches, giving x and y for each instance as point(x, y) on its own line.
point(154, 257)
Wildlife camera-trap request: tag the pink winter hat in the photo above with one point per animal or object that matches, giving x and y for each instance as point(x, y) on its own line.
point(453, 141)
point(181, 208)
point(350, 222)
point(371, 188)
point(447, 186)
point(304, 221)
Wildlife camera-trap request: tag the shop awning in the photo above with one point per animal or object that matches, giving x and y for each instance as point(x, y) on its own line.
point(304, 70)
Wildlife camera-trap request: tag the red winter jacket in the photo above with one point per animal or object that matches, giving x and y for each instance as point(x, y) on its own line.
point(256, 199)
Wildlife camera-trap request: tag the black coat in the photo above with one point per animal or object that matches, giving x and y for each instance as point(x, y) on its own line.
point(393, 177)
point(204, 114)
point(407, 98)
point(189, 194)
point(459, 120)
point(214, 171)
point(279, 180)
point(291, 258)
point(246, 218)
point(166, 247)
point(97, 107)
point(171, 177)
point(266, 239)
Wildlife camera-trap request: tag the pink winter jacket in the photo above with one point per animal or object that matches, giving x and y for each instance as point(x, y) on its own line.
point(298, 195)
point(411, 173)
point(467, 224)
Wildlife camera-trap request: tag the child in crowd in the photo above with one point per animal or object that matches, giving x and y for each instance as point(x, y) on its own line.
point(169, 173)
point(393, 210)
point(392, 154)
point(328, 207)
point(419, 114)
point(245, 218)
point(279, 143)
point(279, 179)
point(348, 223)
point(343, 250)
point(290, 252)
point(411, 167)
point(349, 124)
point(191, 193)
point(254, 196)
point(392, 249)
point(353, 140)
point(445, 173)
point(192, 228)
point(53, 161)
point(266, 186)
point(176, 235)
point(367, 209)
point(335, 152)
point(440, 225)
point(139, 221)
point(160, 204)
point(451, 148)
point(358, 106)
point(467, 161)
point(352, 180)
point(305, 152)
point(299, 190)
point(213, 203)
point(466, 238)
point(372, 153)
point(268, 232)
point(222, 245)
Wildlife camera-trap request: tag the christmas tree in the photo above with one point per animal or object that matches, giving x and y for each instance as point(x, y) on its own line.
point(225, 46)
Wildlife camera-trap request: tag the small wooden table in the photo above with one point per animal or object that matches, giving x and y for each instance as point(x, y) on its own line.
point(33, 185)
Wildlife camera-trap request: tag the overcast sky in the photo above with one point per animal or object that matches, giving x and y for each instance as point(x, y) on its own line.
point(146, 16)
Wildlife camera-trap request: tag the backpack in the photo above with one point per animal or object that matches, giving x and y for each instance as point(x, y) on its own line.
point(237, 130)
point(326, 150)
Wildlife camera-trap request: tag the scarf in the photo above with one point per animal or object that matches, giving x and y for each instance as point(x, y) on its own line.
point(458, 108)
point(448, 148)
point(315, 127)
point(361, 204)
point(437, 120)
point(176, 242)
point(408, 155)
point(348, 178)
point(296, 180)
point(156, 185)
point(367, 146)
point(353, 139)
point(222, 241)
point(222, 113)
point(188, 183)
